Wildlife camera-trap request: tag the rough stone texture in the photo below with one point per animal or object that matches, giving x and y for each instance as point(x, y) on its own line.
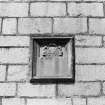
point(17, 73)
point(44, 0)
point(90, 55)
point(80, 89)
point(13, 101)
point(83, 19)
point(85, 9)
point(14, 41)
point(29, 90)
point(13, 9)
point(70, 25)
point(48, 9)
point(104, 87)
point(14, 55)
point(97, 26)
point(104, 41)
point(40, 0)
point(95, 0)
point(9, 26)
point(85, 40)
point(49, 101)
point(52, 0)
point(34, 25)
point(96, 101)
point(0, 24)
point(2, 72)
point(79, 101)
point(90, 72)
point(65, 0)
point(7, 89)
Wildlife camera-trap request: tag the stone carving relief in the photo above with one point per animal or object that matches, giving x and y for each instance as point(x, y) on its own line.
point(51, 50)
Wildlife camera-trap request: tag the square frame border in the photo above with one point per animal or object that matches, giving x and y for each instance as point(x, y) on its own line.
point(51, 80)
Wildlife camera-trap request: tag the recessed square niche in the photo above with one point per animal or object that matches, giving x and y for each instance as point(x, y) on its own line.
point(53, 59)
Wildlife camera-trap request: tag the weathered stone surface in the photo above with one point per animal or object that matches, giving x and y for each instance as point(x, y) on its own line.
point(34, 25)
point(9, 26)
point(79, 89)
point(70, 25)
point(17, 73)
point(97, 26)
point(90, 55)
point(85, 40)
point(29, 90)
point(2, 72)
point(13, 9)
point(48, 9)
point(13, 101)
point(96, 101)
point(14, 55)
point(7, 89)
point(90, 72)
point(79, 101)
point(14, 41)
point(85, 9)
point(49, 101)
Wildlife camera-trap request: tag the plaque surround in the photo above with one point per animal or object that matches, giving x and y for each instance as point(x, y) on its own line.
point(53, 59)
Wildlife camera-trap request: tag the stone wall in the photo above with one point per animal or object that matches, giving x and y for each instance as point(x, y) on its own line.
point(84, 19)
